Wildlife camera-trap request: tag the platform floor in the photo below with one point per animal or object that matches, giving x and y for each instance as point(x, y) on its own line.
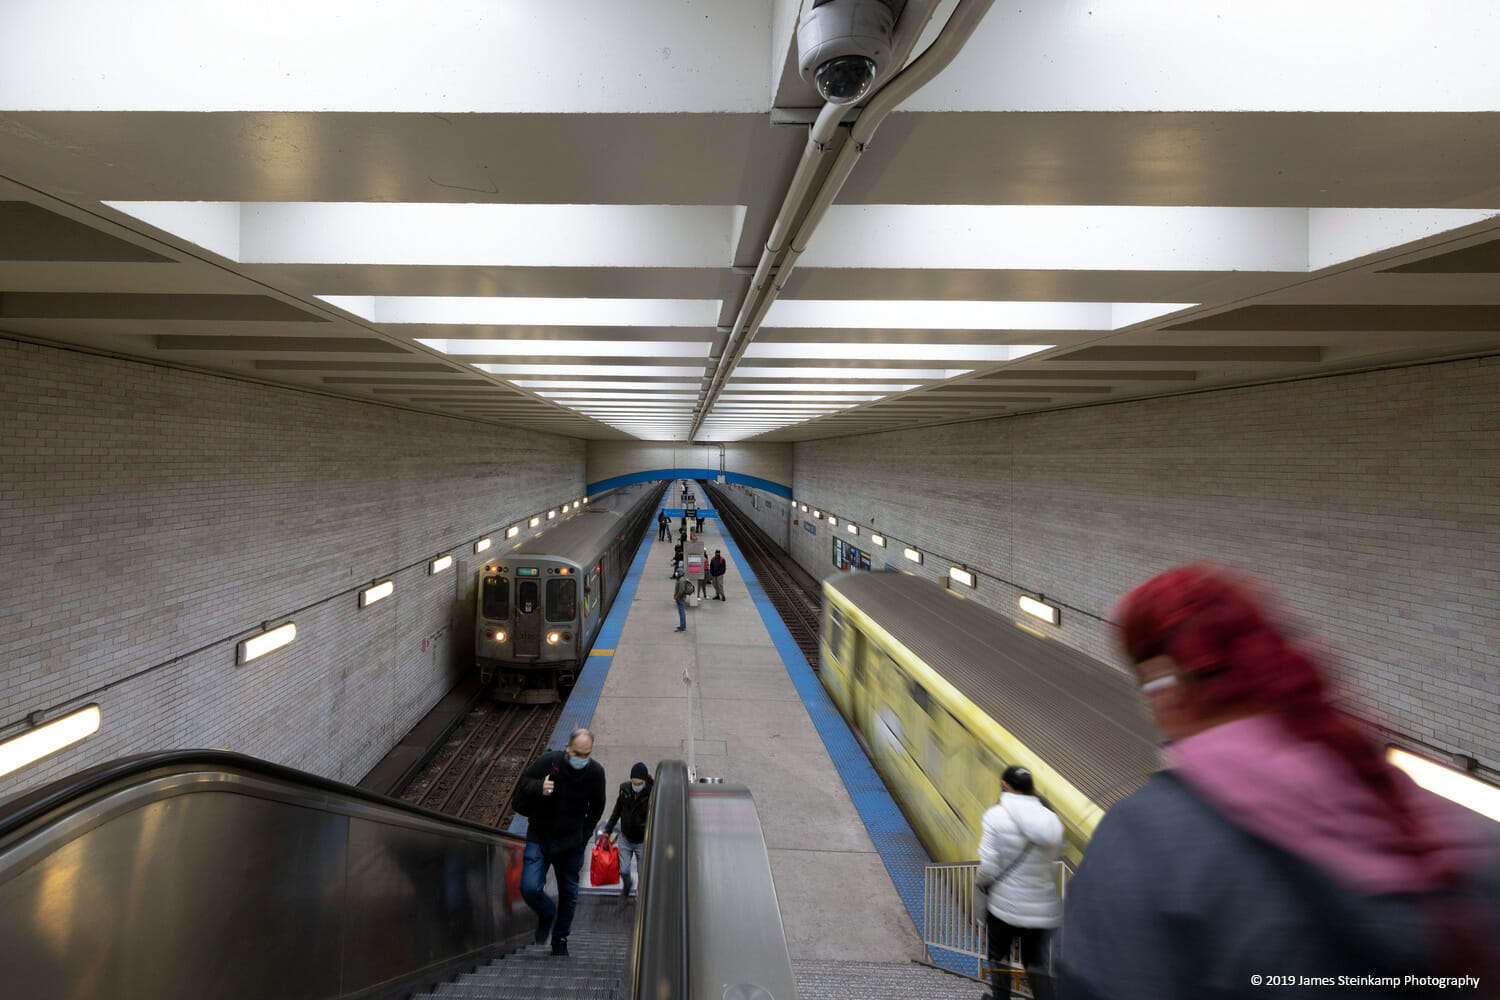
point(750, 727)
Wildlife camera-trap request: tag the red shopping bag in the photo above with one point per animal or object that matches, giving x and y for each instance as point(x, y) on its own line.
point(604, 866)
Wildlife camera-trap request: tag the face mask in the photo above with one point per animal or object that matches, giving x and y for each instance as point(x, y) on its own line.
point(637, 785)
point(578, 763)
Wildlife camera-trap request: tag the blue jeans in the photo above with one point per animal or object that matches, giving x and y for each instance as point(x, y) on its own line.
point(682, 612)
point(534, 880)
point(628, 849)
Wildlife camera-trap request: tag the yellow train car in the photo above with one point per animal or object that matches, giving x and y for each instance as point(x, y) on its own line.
point(945, 694)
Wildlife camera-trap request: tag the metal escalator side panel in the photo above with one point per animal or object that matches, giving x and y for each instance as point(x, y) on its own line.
point(737, 940)
point(659, 956)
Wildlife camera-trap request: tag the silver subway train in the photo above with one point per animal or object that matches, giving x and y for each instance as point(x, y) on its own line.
point(541, 604)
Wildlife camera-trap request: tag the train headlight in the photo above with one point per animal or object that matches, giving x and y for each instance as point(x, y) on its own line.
point(554, 637)
point(495, 634)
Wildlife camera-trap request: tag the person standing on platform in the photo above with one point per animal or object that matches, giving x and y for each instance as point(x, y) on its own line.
point(1279, 849)
point(663, 525)
point(677, 561)
point(632, 809)
point(716, 568)
point(700, 522)
point(1018, 851)
point(680, 594)
point(566, 792)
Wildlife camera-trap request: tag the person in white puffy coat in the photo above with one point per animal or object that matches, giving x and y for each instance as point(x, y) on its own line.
point(1019, 845)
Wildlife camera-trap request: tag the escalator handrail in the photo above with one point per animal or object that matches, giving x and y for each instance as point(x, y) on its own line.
point(659, 960)
point(29, 807)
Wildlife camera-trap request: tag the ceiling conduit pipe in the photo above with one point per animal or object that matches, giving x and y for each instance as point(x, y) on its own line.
point(763, 292)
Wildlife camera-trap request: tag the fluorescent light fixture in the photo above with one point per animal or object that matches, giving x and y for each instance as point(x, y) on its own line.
point(605, 385)
point(379, 592)
point(1471, 793)
point(627, 371)
point(818, 514)
point(837, 389)
point(575, 504)
point(877, 539)
point(867, 351)
point(585, 499)
point(962, 576)
point(46, 739)
point(646, 394)
point(262, 644)
point(867, 374)
point(471, 310)
point(573, 348)
point(833, 521)
point(804, 508)
point(513, 531)
point(482, 545)
point(913, 555)
point(439, 564)
point(1038, 609)
point(551, 515)
point(535, 521)
point(853, 528)
point(788, 397)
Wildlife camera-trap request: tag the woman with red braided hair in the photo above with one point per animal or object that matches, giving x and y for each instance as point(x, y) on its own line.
point(1279, 851)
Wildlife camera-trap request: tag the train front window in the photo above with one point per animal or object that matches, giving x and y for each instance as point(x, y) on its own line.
point(562, 600)
point(526, 597)
point(496, 600)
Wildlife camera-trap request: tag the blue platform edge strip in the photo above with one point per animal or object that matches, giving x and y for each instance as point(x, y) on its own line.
point(709, 474)
point(902, 853)
point(584, 698)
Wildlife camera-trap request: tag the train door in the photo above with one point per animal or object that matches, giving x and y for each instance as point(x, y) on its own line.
point(593, 599)
point(528, 607)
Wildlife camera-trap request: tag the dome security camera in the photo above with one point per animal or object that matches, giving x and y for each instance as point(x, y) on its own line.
point(843, 45)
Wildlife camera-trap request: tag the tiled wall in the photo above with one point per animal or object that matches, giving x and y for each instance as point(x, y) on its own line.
point(150, 518)
point(1370, 503)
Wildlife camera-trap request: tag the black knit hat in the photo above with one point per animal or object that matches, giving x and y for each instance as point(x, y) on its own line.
point(1019, 778)
point(639, 771)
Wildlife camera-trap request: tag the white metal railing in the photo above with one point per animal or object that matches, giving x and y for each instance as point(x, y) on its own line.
point(948, 920)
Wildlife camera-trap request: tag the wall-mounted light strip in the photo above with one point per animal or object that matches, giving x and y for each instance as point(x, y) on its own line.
point(804, 508)
point(513, 531)
point(47, 739)
point(853, 528)
point(818, 514)
point(833, 521)
point(913, 555)
point(439, 564)
point(1038, 609)
point(585, 499)
point(877, 539)
point(1469, 792)
point(481, 545)
point(551, 515)
point(535, 521)
point(962, 576)
point(262, 644)
point(379, 592)
point(576, 504)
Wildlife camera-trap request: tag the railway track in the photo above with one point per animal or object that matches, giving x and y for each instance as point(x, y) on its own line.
point(793, 593)
point(474, 773)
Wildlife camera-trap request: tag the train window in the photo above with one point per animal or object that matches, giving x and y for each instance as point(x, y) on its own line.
point(526, 597)
point(562, 600)
point(833, 631)
point(919, 696)
point(496, 597)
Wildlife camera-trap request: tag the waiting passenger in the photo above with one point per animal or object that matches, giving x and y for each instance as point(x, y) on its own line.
point(680, 593)
point(1018, 851)
point(632, 809)
point(566, 789)
point(716, 569)
point(663, 525)
point(1279, 843)
point(677, 561)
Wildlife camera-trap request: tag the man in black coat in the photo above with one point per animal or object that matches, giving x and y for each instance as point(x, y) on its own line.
point(565, 792)
point(632, 809)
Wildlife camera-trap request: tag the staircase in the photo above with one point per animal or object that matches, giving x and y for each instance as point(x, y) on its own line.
point(819, 979)
point(598, 947)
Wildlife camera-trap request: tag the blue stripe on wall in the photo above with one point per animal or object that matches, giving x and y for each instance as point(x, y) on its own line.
point(656, 475)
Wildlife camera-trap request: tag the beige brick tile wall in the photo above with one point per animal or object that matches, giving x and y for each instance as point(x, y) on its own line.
point(1370, 503)
point(151, 518)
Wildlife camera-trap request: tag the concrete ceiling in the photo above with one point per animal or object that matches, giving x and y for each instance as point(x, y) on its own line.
point(1157, 206)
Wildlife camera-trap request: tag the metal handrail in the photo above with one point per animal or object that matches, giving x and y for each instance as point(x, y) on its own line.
point(948, 922)
point(659, 958)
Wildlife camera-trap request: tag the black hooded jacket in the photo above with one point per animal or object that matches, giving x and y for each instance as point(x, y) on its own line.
point(631, 812)
point(564, 820)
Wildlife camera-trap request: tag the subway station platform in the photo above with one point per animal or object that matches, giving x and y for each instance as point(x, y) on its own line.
point(847, 868)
